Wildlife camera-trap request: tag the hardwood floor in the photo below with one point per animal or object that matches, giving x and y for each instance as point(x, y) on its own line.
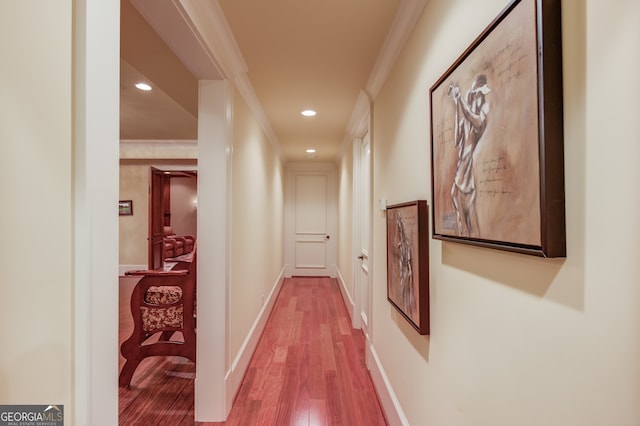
point(308, 369)
point(161, 390)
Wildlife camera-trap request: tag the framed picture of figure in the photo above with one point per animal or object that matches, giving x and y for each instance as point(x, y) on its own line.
point(497, 159)
point(408, 262)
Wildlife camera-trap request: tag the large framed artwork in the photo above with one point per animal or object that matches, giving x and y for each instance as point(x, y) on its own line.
point(497, 159)
point(408, 262)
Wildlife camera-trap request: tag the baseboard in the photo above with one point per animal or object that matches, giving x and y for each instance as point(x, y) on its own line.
point(239, 366)
point(348, 301)
point(124, 268)
point(388, 400)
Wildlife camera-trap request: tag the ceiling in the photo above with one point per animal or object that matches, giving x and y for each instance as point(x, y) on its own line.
point(283, 56)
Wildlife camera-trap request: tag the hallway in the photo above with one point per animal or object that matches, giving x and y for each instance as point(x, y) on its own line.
point(308, 369)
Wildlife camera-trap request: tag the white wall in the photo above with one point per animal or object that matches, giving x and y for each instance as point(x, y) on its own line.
point(36, 214)
point(515, 339)
point(58, 179)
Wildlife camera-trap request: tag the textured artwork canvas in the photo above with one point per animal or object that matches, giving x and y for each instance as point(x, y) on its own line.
point(407, 262)
point(488, 168)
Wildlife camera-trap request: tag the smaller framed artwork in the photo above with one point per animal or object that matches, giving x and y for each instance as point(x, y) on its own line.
point(408, 262)
point(125, 208)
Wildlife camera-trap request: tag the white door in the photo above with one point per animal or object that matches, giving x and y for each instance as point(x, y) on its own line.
point(362, 223)
point(312, 226)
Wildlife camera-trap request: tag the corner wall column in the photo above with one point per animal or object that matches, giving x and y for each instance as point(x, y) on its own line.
point(96, 50)
point(214, 171)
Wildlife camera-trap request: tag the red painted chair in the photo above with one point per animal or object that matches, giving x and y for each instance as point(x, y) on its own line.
point(163, 308)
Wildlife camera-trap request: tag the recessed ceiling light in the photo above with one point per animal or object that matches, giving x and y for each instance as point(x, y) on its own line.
point(308, 113)
point(143, 86)
point(311, 151)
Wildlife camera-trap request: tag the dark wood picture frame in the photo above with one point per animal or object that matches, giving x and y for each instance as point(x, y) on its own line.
point(497, 155)
point(408, 262)
point(125, 208)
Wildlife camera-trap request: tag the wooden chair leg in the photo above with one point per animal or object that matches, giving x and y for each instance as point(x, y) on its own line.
point(127, 372)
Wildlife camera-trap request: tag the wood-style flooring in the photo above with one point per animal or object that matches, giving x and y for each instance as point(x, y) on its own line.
point(308, 369)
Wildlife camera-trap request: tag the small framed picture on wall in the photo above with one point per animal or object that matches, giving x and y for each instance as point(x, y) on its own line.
point(125, 208)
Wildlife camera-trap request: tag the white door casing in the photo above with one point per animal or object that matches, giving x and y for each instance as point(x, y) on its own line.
point(362, 233)
point(360, 129)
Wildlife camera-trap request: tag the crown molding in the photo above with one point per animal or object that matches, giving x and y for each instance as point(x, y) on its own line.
point(402, 25)
point(169, 142)
point(247, 92)
point(211, 32)
point(158, 149)
point(209, 25)
point(358, 123)
point(168, 21)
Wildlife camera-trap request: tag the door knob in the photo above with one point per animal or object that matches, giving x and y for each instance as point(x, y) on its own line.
point(327, 237)
point(361, 257)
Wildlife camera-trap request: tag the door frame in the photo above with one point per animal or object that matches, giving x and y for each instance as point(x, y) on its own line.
point(362, 127)
point(362, 299)
point(96, 36)
point(156, 220)
point(96, 174)
point(158, 198)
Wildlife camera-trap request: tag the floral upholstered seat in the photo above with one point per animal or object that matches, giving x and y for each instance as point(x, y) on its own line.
point(167, 313)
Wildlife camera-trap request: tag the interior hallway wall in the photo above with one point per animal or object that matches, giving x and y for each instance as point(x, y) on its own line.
point(516, 339)
point(36, 183)
point(134, 230)
point(136, 158)
point(345, 221)
point(184, 205)
point(257, 222)
point(62, 216)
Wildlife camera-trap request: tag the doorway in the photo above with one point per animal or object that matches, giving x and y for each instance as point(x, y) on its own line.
point(173, 203)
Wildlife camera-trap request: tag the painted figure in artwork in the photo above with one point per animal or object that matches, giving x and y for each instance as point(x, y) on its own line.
point(470, 122)
point(404, 267)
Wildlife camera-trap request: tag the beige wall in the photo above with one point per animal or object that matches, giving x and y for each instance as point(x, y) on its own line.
point(345, 219)
point(134, 230)
point(137, 157)
point(184, 207)
point(515, 339)
point(36, 219)
point(257, 222)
